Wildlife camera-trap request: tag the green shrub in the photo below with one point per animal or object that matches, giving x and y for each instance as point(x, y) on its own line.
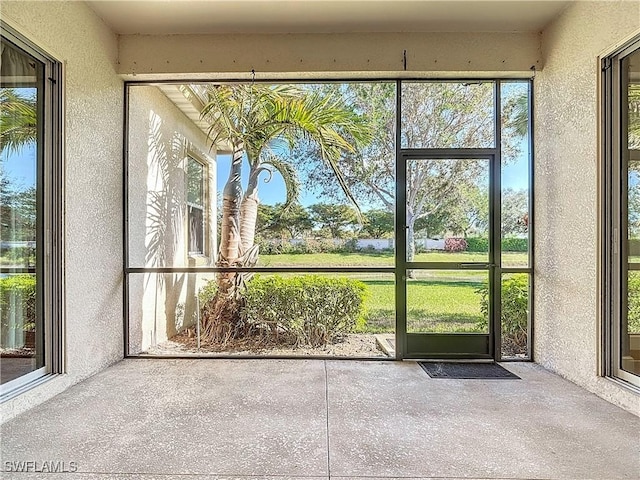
point(509, 244)
point(477, 244)
point(307, 246)
point(207, 293)
point(348, 246)
point(420, 248)
point(268, 247)
point(512, 244)
point(515, 310)
point(19, 292)
point(306, 309)
point(312, 245)
point(633, 303)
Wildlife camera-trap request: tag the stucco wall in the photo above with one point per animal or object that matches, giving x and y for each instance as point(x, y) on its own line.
point(566, 192)
point(160, 138)
point(70, 32)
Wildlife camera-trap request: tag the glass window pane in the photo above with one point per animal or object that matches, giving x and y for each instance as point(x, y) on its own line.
point(516, 315)
point(515, 174)
point(629, 331)
point(447, 301)
point(196, 207)
point(195, 182)
point(321, 227)
point(632, 65)
point(447, 210)
point(21, 322)
point(196, 230)
point(448, 115)
point(20, 328)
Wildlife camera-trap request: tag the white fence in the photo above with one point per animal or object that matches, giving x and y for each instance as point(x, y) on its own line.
point(384, 243)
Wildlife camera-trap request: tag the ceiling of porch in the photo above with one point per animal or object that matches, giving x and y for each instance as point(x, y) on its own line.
point(324, 16)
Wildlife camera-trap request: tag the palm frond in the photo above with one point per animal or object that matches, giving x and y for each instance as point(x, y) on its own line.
point(290, 177)
point(257, 115)
point(18, 120)
point(517, 114)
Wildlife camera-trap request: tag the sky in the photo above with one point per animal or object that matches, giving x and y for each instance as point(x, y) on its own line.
point(515, 175)
point(20, 166)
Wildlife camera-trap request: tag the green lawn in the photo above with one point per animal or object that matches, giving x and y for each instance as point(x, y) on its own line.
point(362, 259)
point(436, 305)
point(438, 300)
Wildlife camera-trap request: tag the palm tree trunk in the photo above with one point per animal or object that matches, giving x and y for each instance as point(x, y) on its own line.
point(248, 216)
point(230, 228)
point(220, 316)
point(249, 211)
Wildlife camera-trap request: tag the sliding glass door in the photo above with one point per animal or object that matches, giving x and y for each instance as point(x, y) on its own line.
point(30, 206)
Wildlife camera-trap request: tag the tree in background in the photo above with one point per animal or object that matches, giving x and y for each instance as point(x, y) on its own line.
point(442, 195)
point(337, 219)
point(634, 116)
point(379, 223)
point(515, 208)
point(279, 220)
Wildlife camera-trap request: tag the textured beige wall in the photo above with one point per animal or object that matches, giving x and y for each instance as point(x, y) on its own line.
point(566, 192)
point(160, 137)
point(93, 198)
point(329, 55)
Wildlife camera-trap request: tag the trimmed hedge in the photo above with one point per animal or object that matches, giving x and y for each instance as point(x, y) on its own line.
point(515, 310)
point(509, 244)
point(307, 309)
point(18, 291)
point(633, 303)
point(477, 244)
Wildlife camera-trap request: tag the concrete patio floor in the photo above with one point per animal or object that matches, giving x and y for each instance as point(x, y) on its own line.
point(208, 419)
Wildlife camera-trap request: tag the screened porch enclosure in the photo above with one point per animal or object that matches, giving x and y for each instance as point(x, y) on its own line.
point(413, 234)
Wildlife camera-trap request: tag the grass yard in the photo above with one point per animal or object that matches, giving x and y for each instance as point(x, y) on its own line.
point(381, 259)
point(435, 305)
point(438, 300)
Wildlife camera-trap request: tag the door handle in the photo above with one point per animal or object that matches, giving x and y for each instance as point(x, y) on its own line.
point(479, 266)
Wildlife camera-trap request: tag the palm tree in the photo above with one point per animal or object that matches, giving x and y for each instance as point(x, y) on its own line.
point(18, 120)
point(253, 119)
point(516, 115)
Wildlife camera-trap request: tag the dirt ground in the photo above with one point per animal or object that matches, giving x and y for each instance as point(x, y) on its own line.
point(353, 345)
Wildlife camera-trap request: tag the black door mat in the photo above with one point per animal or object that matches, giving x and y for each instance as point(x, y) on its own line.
point(467, 370)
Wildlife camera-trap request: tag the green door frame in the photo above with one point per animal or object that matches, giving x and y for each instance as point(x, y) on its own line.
point(453, 345)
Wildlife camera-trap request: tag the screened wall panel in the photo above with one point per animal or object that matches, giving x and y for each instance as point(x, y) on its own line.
point(441, 114)
point(162, 144)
